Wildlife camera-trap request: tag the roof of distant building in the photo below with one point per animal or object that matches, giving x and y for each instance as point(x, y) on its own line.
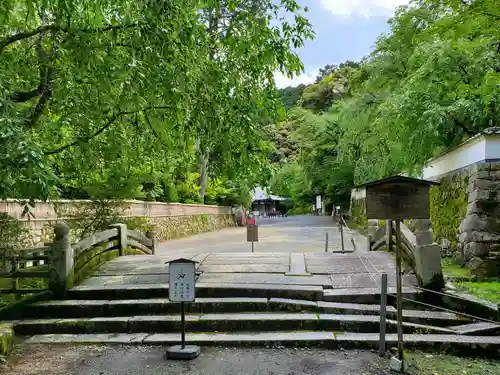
point(260, 195)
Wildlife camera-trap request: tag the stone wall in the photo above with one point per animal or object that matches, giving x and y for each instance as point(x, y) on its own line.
point(465, 216)
point(448, 204)
point(170, 220)
point(479, 238)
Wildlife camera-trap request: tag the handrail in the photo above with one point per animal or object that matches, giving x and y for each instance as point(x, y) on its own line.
point(447, 310)
point(94, 239)
point(63, 262)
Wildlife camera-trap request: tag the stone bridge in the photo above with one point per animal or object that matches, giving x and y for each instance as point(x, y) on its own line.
point(289, 291)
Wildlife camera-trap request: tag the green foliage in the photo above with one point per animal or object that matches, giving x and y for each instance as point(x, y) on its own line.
point(489, 290)
point(452, 268)
point(102, 100)
point(87, 218)
point(442, 364)
point(13, 234)
point(6, 339)
point(358, 212)
point(429, 84)
point(301, 210)
point(448, 204)
point(291, 95)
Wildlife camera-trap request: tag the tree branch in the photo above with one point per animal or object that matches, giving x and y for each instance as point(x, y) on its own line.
point(102, 129)
point(157, 136)
point(466, 78)
point(28, 34)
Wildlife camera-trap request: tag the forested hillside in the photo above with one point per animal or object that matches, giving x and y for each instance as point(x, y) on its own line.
point(430, 83)
point(158, 99)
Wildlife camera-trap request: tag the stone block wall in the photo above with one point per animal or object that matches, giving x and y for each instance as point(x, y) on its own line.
point(170, 220)
point(479, 232)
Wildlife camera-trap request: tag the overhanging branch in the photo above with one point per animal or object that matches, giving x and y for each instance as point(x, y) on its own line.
point(108, 123)
point(28, 34)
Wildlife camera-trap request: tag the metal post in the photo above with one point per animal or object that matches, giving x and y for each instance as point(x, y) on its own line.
point(399, 293)
point(252, 246)
point(383, 314)
point(341, 233)
point(326, 242)
point(183, 326)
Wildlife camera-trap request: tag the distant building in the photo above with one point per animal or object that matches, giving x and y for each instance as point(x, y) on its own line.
point(265, 204)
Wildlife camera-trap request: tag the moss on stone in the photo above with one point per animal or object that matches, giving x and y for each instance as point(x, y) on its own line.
point(448, 204)
point(6, 339)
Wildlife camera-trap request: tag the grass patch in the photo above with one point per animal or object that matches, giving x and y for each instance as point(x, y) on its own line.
point(452, 268)
point(439, 364)
point(487, 290)
point(360, 228)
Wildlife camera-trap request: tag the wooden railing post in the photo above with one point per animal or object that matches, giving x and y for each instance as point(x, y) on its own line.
point(372, 228)
point(122, 237)
point(62, 260)
point(151, 234)
point(389, 232)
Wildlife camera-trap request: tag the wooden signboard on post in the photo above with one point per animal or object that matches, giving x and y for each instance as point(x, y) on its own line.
point(398, 198)
point(252, 233)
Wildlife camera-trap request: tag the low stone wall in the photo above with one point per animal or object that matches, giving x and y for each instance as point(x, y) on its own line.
point(170, 220)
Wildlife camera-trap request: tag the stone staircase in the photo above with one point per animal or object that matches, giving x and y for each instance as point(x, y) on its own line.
point(151, 319)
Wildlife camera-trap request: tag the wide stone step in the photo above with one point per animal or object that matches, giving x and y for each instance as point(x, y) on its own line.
point(158, 306)
point(218, 323)
point(217, 290)
point(480, 328)
point(468, 345)
point(365, 295)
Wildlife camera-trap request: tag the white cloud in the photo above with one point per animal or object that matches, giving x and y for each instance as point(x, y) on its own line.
point(305, 78)
point(365, 8)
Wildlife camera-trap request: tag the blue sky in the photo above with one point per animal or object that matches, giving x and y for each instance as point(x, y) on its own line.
point(345, 30)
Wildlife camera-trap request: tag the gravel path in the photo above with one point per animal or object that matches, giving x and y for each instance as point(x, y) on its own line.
point(147, 360)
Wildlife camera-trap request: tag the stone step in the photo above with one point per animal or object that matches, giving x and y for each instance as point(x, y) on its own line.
point(146, 291)
point(158, 306)
point(480, 328)
point(365, 295)
point(468, 345)
point(258, 321)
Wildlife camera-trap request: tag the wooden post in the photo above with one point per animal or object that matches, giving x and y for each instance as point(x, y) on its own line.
point(15, 269)
point(341, 232)
point(151, 234)
point(389, 235)
point(383, 314)
point(62, 259)
point(399, 296)
point(122, 237)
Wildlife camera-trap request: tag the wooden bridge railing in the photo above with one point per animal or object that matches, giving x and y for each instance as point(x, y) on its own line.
point(61, 264)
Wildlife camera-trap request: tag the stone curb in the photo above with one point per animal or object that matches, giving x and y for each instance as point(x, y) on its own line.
point(138, 291)
point(465, 345)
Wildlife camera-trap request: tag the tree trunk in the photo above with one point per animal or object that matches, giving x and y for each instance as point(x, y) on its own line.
point(203, 176)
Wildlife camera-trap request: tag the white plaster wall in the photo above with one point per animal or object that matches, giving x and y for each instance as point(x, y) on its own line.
point(471, 152)
point(358, 194)
point(493, 147)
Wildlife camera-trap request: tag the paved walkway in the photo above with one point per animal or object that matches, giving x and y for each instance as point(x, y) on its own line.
point(286, 234)
point(290, 252)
